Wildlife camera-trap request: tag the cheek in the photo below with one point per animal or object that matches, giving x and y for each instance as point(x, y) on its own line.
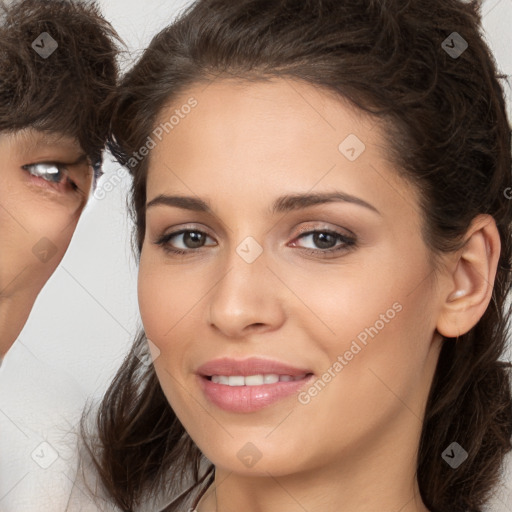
point(36, 212)
point(153, 299)
point(378, 369)
point(383, 351)
point(165, 295)
point(166, 308)
point(378, 316)
point(364, 297)
point(35, 236)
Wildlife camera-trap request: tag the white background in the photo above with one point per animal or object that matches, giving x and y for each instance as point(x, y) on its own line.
point(85, 318)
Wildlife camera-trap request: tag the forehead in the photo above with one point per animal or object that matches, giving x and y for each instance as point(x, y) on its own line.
point(278, 114)
point(280, 124)
point(276, 98)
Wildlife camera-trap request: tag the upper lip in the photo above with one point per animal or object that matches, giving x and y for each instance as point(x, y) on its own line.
point(251, 366)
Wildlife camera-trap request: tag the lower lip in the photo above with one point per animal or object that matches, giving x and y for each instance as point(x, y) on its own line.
point(249, 398)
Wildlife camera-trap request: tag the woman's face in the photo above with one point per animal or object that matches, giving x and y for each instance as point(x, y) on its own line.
point(44, 184)
point(341, 290)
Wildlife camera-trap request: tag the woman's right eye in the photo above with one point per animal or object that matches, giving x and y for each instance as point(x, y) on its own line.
point(52, 172)
point(193, 236)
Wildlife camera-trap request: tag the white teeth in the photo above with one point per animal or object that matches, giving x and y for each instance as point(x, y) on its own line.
point(236, 380)
point(253, 380)
point(220, 379)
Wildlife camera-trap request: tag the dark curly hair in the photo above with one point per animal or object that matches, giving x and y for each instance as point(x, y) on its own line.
point(70, 91)
point(448, 133)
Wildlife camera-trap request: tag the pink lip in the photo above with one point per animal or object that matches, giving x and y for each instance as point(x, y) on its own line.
point(250, 366)
point(245, 399)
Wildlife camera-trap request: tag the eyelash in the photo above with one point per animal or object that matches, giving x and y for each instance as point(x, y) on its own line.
point(61, 167)
point(348, 242)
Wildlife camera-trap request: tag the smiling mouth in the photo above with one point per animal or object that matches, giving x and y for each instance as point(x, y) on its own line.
point(251, 393)
point(254, 380)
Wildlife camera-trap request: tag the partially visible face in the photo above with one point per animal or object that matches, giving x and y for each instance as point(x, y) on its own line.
point(45, 181)
point(343, 288)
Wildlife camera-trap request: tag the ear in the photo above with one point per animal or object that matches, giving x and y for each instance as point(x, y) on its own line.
point(467, 288)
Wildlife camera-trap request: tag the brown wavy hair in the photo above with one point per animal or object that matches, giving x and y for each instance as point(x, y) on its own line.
point(448, 134)
point(71, 91)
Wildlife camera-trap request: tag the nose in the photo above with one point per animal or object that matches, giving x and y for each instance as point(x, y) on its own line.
point(247, 299)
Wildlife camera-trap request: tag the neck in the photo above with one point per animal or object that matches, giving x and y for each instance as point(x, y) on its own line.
point(276, 494)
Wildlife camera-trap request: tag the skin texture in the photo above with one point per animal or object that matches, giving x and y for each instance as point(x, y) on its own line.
point(353, 446)
point(37, 218)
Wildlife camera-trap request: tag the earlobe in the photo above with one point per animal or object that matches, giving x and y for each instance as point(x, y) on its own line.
point(468, 287)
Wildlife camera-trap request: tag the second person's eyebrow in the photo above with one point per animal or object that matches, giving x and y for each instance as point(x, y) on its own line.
point(282, 204)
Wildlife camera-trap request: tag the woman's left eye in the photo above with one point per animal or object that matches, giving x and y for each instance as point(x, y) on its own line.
point(326, 241)
point(52, 172)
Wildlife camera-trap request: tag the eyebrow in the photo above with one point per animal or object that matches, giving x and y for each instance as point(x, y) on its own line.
point(282, 204)
point(56, 140)
point(34, 141)
point(83, 158)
